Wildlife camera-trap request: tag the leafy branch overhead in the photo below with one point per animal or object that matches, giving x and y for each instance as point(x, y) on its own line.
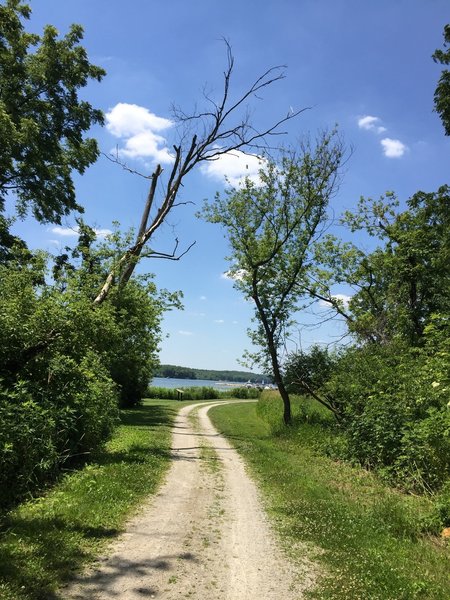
point(442, 93)
point(42, 119)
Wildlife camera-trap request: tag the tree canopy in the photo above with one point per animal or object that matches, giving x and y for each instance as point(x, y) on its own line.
point(271, 226)
point(403, 282)
point(442, 93)
point(42, 118)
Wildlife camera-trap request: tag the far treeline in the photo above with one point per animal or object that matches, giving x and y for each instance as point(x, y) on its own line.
point(210, 375)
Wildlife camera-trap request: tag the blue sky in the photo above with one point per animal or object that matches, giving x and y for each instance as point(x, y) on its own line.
point(365, 65)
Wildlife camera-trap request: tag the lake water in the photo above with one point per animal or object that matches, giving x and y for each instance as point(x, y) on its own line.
point(169, 382)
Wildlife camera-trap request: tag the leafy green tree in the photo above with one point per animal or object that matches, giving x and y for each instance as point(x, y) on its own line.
point(130, 348)
point(442, 92)
point(271, 227)
point(401, 283)
point(309, 372)
point(42, 119)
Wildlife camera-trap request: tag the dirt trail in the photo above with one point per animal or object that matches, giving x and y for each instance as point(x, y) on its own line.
point(203, 537)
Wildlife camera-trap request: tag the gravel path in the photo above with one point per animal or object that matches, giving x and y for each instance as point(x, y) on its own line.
point(203, 537)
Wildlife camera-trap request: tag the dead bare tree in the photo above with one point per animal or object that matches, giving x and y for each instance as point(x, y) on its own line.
point(206, 136)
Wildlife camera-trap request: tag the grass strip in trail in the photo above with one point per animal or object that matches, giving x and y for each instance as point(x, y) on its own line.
point(367, 537)
point(44, 540)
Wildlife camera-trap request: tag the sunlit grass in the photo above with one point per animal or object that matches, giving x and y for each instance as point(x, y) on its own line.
point(369, 539)
point(45, 540)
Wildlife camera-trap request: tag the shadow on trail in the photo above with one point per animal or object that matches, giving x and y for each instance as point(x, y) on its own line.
point(148, 416)
point(46, 539)
point(103, 581)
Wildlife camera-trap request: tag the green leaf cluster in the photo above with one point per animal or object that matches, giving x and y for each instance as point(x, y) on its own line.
point(272, 226)
point(42, 118)
point(65, 364)
point(442, 92)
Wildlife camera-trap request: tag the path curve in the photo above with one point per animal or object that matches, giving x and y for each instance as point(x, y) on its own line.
point(204, 536)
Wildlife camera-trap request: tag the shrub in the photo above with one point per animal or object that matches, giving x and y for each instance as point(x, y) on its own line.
point(203, 393)
point(28, 454)
point(393, 400)
point(44, 429)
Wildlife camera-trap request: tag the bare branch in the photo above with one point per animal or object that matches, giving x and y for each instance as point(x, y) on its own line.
point(211, 135)
point(116, 160)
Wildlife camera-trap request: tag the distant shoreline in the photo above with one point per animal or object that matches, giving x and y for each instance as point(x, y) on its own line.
point(183, 383)
point(179, 372)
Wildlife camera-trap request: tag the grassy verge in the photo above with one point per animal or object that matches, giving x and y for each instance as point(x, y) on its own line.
point(43, 541)
point(367, 537)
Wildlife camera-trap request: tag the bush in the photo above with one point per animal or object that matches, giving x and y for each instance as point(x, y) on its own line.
point(28, 454)
point(393, 400)
point(189, 393)
point(44, 429)
point(443, 505)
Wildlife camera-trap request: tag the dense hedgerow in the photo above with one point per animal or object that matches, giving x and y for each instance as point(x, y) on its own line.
point(43, 431)
point(394, 405)
point(65, 365)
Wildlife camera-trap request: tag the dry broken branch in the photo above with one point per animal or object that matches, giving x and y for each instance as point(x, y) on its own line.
point(212, 134)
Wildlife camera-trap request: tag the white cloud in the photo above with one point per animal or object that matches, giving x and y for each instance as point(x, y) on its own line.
point(145, 145)
point(65, 231)
point(371, 124)
point(183, 332)
point(138, 128)
point(202, 297)
point(74, 231)
point(393, 148)
point(219, 321)
point(102, 233)
point(125, 120)
point(234, 166)
point(344, 298)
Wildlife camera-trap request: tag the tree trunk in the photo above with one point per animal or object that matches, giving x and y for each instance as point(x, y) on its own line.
point(287, 416)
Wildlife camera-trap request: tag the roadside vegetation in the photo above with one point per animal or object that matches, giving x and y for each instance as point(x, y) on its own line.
point(203, 393)
point(80, 335)
point(45, 540)
point(372, 541)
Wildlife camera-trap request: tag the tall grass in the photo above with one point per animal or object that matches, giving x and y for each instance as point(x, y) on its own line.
point(203, 393)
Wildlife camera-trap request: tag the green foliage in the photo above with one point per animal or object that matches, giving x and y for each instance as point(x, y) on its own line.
point(134, 359)
point(443, 505)
point(401, 283)
point(42, 120)
point(65, 363)
point(202, 393)
point(271, 229)
point(442, 93)
point(309, 370)
point(394, 405)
